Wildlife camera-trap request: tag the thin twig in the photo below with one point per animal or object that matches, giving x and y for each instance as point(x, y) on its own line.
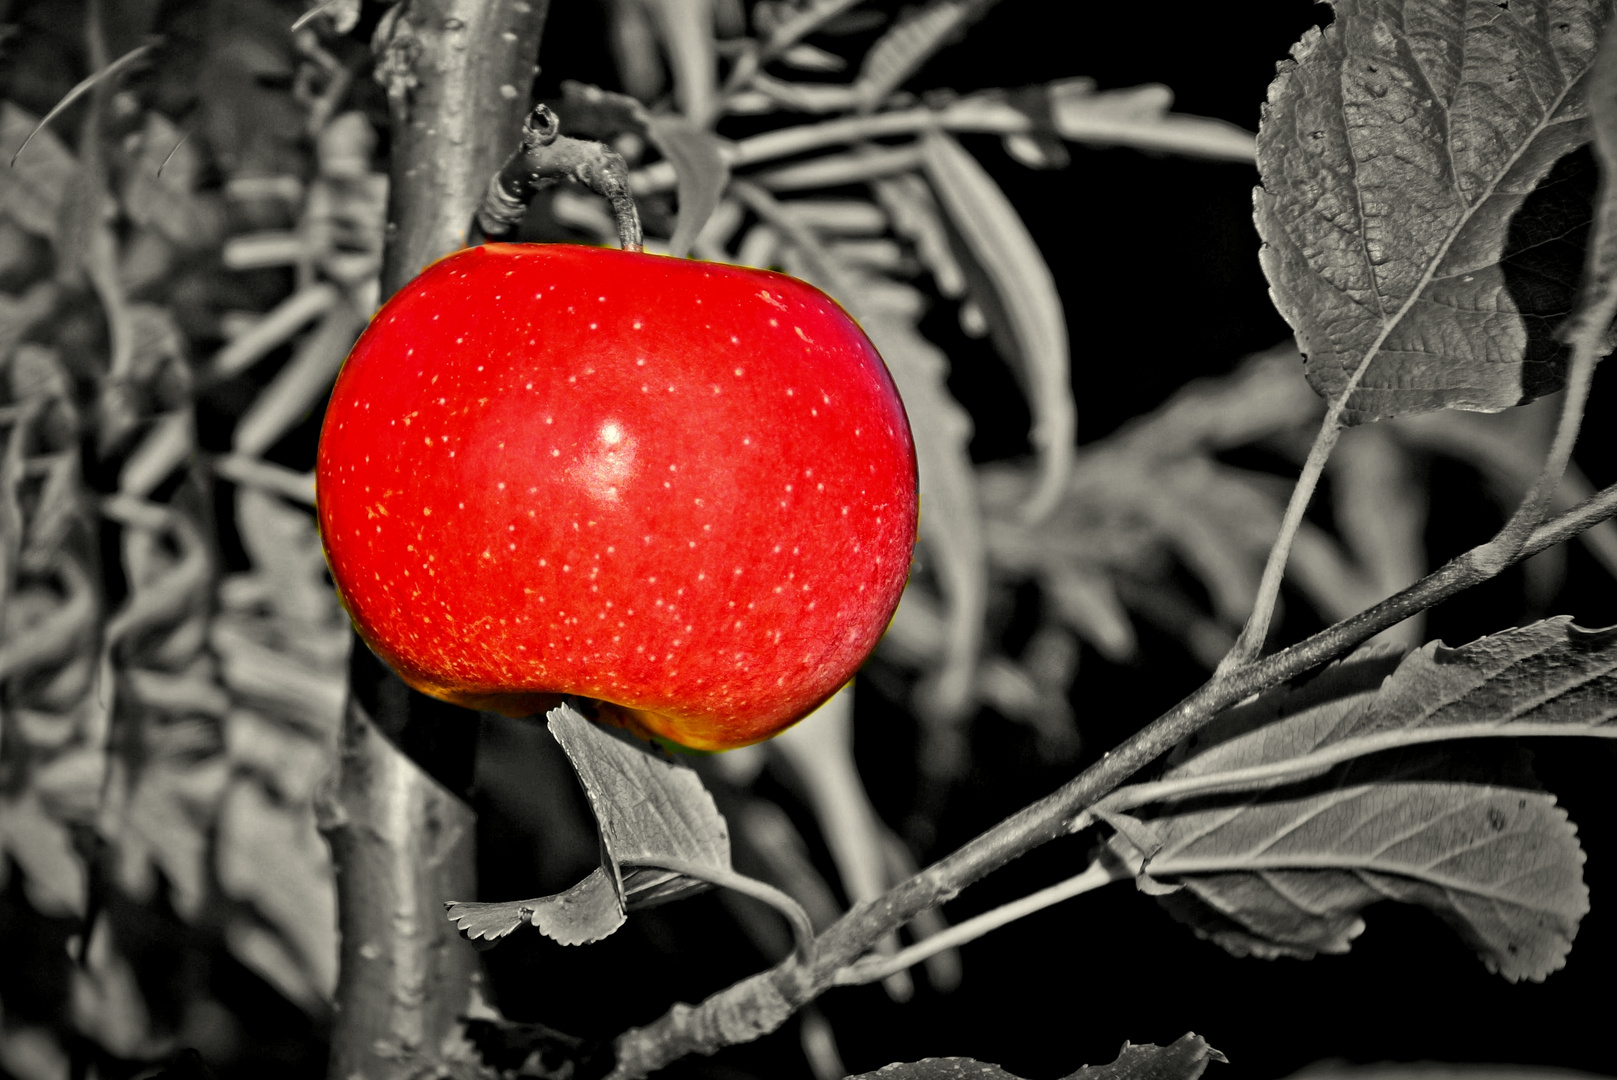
point(1256, 631)
point(773, 995)
point(873, 968)
point(802, 928)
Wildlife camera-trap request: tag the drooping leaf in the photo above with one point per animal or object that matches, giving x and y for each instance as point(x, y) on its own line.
point(1184, 1059)
point(648, 809)
point(701, 169)
point(1021, 286)
point(646, 806)
point(1549, 678)
point(587, 912)
point(1291, 874)
point(1397, 152)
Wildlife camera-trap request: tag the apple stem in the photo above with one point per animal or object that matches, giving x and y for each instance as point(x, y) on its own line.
point(545, 158)
point(802, 928)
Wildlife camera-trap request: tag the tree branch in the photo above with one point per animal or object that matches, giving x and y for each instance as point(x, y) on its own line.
point(759, 1004)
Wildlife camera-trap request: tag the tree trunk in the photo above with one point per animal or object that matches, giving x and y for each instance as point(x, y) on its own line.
point(459, 75)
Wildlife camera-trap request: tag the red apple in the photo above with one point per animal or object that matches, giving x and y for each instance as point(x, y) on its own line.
point(682, 488)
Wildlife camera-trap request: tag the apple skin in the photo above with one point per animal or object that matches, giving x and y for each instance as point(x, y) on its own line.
point(682, 488)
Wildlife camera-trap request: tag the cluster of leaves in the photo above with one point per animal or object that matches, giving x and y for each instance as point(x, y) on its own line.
point(172, 660)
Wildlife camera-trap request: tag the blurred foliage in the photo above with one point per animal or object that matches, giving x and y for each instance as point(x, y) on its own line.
point(187, 252)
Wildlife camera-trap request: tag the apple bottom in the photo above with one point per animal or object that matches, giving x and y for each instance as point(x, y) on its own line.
point(690, 733)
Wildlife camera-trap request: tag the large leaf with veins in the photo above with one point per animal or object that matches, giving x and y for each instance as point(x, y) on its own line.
point(1399, 153)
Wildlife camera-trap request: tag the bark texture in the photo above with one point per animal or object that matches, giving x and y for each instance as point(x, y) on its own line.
point(458, 75)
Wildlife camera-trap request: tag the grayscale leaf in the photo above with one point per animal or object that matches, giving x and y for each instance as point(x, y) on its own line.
point(1022, 294)
point(806, 57)
point(1546, 679)
point(1134, 116)
point(900, 52)
point(1396, 149)
point(1598, 295)
point(915, 215)
point(686, 28)
point(700, 170)
point(1291, 874)
point(587, 912)
point(646, 807)
point(951, 527)
point(1184, 1059)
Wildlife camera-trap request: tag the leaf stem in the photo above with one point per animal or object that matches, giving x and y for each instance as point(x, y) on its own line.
point(874, 968)
point(1250, 644)
point(802, 928)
